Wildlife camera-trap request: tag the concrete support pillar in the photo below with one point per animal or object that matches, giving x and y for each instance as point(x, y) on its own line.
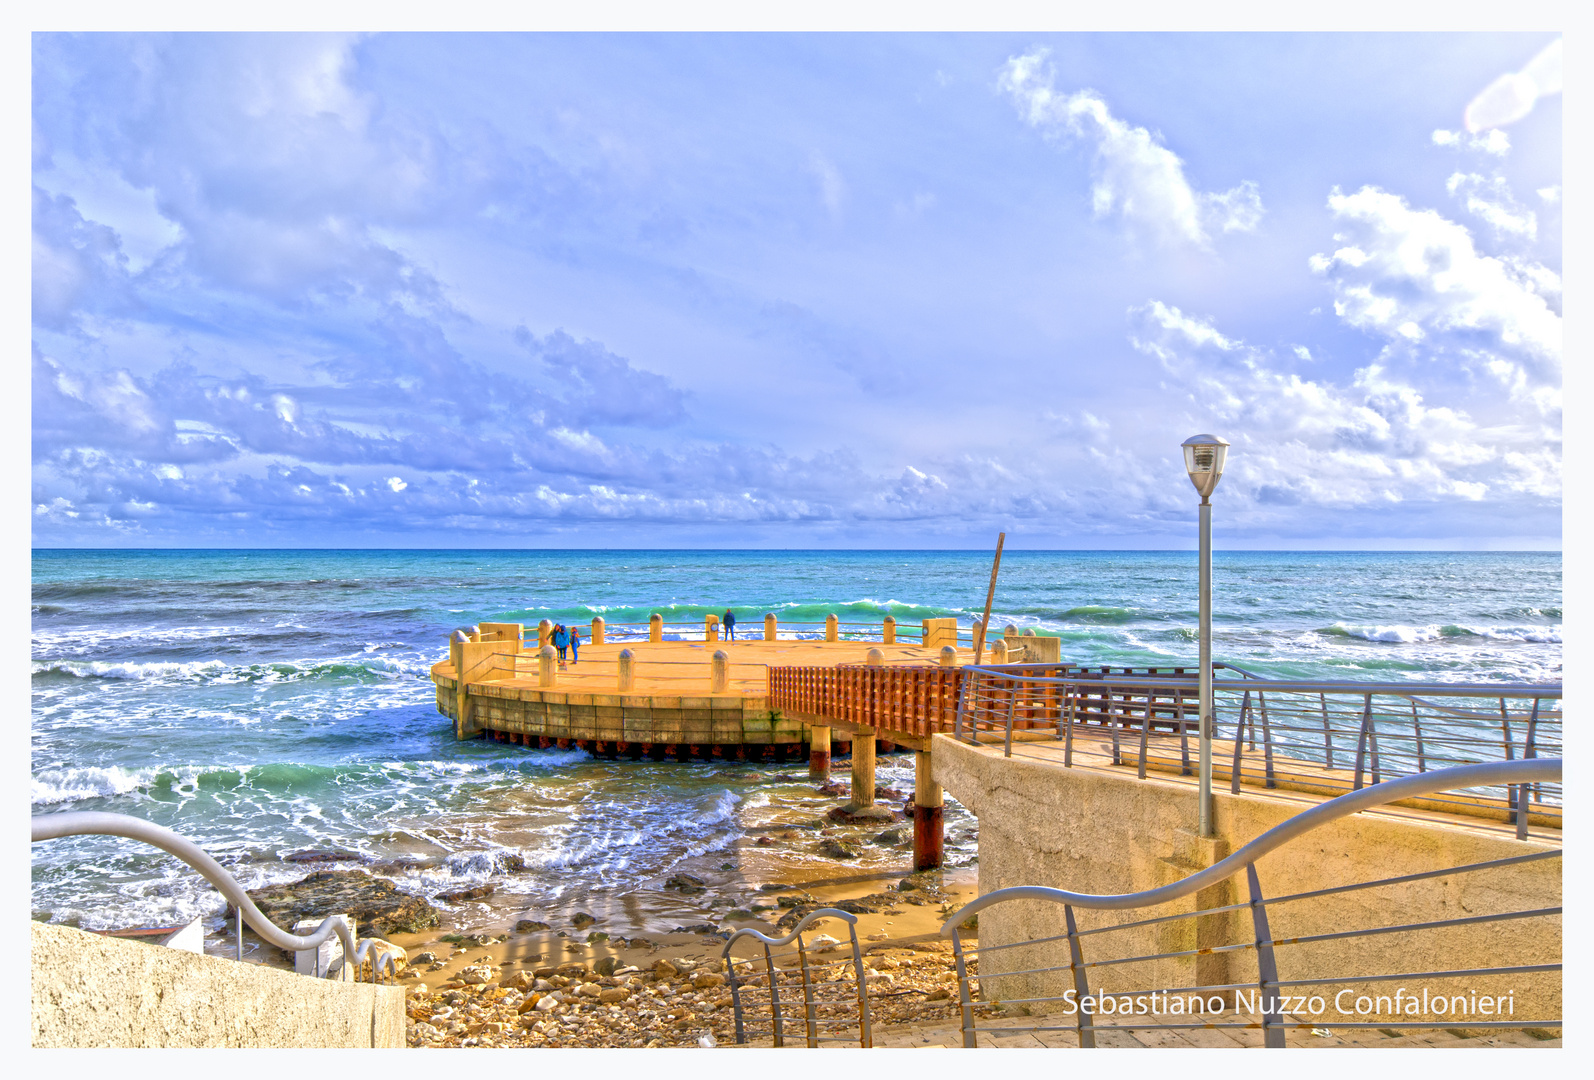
point(597, 631)
point(656, 627)
point(949, 656)
point(819, 753)
point(719, 673)
point(862, 769)
point(830, 627)
point(626, 670)
point(546, 673)
point(888, 631)
point(544, 632)
point(874, 658)
point(711, 628)
point(769, 627)
point(928, 809)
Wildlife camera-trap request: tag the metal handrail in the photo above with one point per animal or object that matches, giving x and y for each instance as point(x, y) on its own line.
point(93, 823)
point(812, 1020)
point(1528, 771)
point(1261, 942)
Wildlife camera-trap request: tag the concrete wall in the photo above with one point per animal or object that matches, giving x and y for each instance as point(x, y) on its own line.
point(90, 990)
point(1093, 832)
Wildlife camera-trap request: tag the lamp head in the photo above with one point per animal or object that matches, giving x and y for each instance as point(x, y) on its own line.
point(1204, 456)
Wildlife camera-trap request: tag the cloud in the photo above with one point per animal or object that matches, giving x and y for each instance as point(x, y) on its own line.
point(832, 188)
point(1377, 441)
point(1491, 200)
point(1414, 276)
point(1512, 96)
point(1134, 176)
point(602, 388)
point(1494, 141)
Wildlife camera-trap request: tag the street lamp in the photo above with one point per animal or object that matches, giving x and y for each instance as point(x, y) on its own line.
point(1204, 456)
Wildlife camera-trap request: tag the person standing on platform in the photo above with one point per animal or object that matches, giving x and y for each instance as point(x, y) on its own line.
point(575, 645)
point(561, 640)
point(730, 625)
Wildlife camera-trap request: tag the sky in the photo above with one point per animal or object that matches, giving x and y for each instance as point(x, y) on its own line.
point(795, 290)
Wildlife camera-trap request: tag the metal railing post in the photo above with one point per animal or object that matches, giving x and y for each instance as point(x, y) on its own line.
point(1076, 964)
point(1267, 739)
point(865, 1030)
point(1239, 743)
point(810, 1011)
point(964, 1000)
point(1361, 741)
point(1267, 971)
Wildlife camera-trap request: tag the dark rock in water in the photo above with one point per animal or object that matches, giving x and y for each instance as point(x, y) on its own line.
point(476, 892)
point(765, 841)
point(581, 920)
point(529, 926)
point(597, 936)
point(773, 886)
point(836, 849)
point(512, 864)
point(907, 884)
point(399, 866)
point(685, 883)
point(641, 943)
point(605, 965)
point(697, 928)
point(794, 901)
point(867, 815)
point(314, 855)
point(890, 836)
point(376, 904)
point(887, 794)
point(727, 866)
point(835, 789)
point(423, 958)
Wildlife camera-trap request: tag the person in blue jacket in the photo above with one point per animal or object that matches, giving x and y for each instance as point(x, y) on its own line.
point(561, 640)
point(730, 625)
point(575, 644)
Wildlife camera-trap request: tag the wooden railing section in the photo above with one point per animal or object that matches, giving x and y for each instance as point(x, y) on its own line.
point(923, 700)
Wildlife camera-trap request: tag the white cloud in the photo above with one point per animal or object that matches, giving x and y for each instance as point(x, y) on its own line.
point(1512, 96)
point(394, 484)
point(1494, 141)
point(1551, 194)
point(1492, 201)
point(1373, 442)
point(1302, 352)
point(832, 188)
point(1135, 175)
point(1403, 267)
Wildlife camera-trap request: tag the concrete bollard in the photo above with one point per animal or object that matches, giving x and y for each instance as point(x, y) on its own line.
point(711, 628)
point(719, 679)
point(626, 666)
point(928, 813)
point(546, 673)
point(1009, 631)
point(597, 631)
point(819, 753)
point(769, 627)
point(874, 658)
point(656, 627)
point(888, 631)
point(999, 651)
point(949, 656)
point(544, 632)
point(862, 770)
point(830, 627)
point(1029, 631)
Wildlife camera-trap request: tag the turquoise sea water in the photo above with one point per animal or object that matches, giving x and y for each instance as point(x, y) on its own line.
point(263, 702)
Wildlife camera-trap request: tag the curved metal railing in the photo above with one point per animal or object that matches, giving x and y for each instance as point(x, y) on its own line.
point(1262, 942)
point(355, 951)
point(812, 976)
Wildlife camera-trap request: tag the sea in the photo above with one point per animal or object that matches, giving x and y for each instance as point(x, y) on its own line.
point(267, 703)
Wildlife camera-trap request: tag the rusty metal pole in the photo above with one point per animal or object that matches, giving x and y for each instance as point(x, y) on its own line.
point(990, 595)
point(928, 809)
point(819, 753)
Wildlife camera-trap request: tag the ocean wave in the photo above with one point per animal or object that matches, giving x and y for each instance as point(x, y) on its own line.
point(1412, 635)
point(54, 786)
point(367, 667)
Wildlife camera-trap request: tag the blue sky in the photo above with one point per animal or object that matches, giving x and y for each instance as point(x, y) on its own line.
point(794, 290)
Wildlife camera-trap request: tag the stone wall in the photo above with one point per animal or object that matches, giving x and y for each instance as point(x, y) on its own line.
point(90, 990)
point(1090, 831)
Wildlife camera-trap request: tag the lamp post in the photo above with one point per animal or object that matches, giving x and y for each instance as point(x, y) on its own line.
point(1204, 456)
